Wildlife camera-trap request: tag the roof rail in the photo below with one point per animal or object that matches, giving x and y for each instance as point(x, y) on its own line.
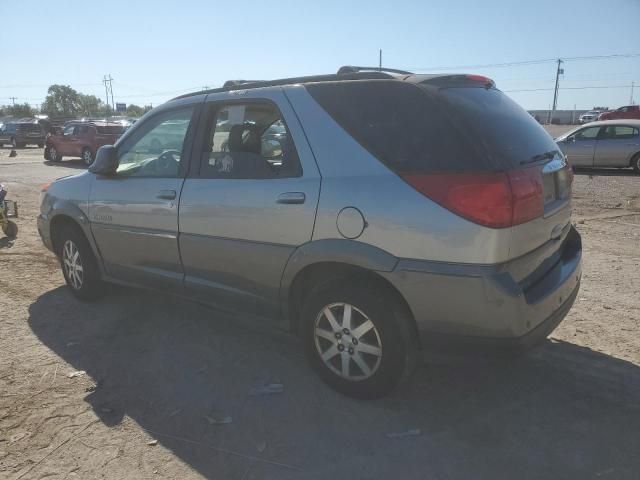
point(235, 83)
point(353, 69)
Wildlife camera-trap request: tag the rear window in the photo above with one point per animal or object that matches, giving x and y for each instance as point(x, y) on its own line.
point(508, 133)
point(111, 130)
point(401, 124)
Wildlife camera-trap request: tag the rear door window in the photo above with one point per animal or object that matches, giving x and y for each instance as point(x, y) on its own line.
point(621, 132)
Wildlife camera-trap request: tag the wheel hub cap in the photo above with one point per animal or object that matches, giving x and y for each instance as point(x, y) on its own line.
point(72, 264)
point(347, 341)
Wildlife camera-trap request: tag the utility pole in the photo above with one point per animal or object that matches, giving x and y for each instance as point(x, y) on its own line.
point(13, 100)
point(380, 60)
point(631, 99)
point(559, 72)
point(108, 88)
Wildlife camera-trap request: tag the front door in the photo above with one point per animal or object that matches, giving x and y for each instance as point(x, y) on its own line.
point(251, 204)
point(580, 147)
point(134, 213)
point(65, 143)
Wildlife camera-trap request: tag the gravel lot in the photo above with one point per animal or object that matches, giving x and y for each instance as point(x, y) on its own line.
point(160, 371)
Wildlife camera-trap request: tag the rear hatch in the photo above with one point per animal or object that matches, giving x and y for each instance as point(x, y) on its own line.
point(466, 146)
point(516, 143)
point(30, 130)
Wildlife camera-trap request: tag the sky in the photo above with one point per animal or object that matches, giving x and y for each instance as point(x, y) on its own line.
point(155, 50)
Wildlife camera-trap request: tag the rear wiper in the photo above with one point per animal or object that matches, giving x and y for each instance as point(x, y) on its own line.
point(541, 156)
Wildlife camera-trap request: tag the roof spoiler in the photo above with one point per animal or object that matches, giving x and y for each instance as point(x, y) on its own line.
point(345, 69)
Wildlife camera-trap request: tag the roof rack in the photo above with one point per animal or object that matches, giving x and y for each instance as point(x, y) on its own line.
point(344, 73)
point(353, 69)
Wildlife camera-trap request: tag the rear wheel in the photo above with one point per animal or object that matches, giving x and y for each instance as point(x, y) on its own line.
point(79, 265)
point(54, 156)
point(354, 340)
point(635, 163)
point(10, 229)
point(87, 156)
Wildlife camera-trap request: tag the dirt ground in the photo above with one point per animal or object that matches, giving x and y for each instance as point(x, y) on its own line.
point(160, 372)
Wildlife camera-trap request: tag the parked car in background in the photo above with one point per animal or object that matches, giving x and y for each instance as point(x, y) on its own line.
point(81, 139)
point(610, 143)
point(20, 134)
point(628, 112)
point(590, 116)
point(406, 214)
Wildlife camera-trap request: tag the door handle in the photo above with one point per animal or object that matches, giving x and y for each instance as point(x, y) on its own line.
point(291, 198)
point(166, 195)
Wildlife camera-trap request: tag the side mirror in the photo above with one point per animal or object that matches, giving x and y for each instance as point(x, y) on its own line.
point(271, 148)
point(106, 162)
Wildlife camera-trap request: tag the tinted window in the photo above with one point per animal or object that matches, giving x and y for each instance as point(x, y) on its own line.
point(156, 149)
point(400, 124)
point(587, 133)
point(68, 130)
point(249, 141)
point(111, 130)
point(620, 132)
point(507, 132)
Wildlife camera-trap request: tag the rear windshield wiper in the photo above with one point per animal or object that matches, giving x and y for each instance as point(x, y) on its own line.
point(541, 156)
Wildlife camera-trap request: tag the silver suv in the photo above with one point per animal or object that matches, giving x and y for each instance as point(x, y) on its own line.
point(380, 215)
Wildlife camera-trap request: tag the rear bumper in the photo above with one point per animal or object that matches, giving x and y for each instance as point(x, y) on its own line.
point(512, 306)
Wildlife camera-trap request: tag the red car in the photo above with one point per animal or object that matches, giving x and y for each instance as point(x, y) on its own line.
point(81, 139)
point(630, 111)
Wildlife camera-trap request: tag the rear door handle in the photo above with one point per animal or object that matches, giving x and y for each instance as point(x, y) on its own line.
point(291, 198)
point(166, 195)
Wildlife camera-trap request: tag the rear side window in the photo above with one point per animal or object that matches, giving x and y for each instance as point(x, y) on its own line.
point(507, 132)
point(620, 132)
point(400, 124)
point(110, 130)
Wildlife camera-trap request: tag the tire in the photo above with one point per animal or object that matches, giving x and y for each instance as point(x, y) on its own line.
point(79, 265)
point(375, 325)
point(54, 156)
point(10, 229)
point(635, 163)
point(87, 156)
point(40, 145)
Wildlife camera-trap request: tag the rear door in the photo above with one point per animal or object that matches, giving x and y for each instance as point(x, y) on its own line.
point(616, 145)
point(64, 144)
point(581, 146)
point(251, 203)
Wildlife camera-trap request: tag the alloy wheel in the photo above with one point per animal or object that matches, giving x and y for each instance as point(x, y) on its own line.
point(73, 264)
point(87, 157)
point(347, 341)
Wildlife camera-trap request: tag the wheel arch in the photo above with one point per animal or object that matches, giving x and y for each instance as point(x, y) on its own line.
point(633, 157)
point(326, 261)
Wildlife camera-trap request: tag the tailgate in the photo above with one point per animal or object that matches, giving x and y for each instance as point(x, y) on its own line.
point(554, 224)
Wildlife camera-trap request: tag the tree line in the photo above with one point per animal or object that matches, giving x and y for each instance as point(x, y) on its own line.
point(64, 101)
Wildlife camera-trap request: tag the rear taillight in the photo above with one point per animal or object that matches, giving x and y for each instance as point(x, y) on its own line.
point(495, 200)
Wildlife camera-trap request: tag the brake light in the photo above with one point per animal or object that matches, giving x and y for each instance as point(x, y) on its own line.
point(479, 78)
point(495, 200)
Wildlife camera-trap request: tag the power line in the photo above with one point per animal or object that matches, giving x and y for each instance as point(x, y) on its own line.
point(528, 62)
point(586, 87)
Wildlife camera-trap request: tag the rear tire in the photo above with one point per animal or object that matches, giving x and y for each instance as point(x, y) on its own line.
point(635, 163)
point(79, 265)
point(362, 354)
point(87, 156)
point(10, 229)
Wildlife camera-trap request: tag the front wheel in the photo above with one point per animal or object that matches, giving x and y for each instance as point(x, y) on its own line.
point(10, 229)
point(635, 163)
point(87, 157)
point(354, 339)
point(54, 156)
point(79, 265)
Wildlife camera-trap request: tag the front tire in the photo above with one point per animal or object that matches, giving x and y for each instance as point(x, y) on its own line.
point(79, 265)
point(87, 156)
point(354, 339)
point(635, 163)
point(54, 156)
point(10, 229)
